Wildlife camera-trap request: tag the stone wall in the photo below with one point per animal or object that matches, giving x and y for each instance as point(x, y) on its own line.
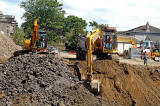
point(8, 24)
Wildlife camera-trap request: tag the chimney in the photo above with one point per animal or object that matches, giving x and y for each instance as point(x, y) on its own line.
point(147, 27)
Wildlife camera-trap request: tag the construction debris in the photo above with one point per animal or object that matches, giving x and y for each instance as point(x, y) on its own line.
point(42, 80)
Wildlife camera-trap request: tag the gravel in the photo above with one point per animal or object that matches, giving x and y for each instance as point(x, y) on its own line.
point(42, 80)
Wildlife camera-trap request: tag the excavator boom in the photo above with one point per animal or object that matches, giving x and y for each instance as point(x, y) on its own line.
point(34, 36)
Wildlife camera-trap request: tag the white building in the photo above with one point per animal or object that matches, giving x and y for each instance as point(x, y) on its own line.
point(139, 34)
point(125, 42)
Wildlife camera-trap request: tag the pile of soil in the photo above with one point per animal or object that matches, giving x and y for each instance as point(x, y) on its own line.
point(124, 84)
point(42, 80)
point(7, 47)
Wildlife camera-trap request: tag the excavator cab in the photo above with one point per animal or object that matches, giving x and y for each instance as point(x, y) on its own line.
point(42, 39)
point(108, 38)
point(107, 42)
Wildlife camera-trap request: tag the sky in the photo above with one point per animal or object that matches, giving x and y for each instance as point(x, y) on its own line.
point(123, 14)
point(11, 7)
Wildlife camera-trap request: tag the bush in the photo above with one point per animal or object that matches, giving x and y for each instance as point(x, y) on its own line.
point(71, 40)
point(18, 37)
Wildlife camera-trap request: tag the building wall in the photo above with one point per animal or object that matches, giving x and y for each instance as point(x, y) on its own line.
point(3, 27)
point(122, 46)
point(8, 24)
point(140, 37)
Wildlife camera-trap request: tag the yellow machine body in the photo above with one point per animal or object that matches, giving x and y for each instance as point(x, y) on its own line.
point(95, 44)
point(27, 44)
point(127, 39)
point(33, 43)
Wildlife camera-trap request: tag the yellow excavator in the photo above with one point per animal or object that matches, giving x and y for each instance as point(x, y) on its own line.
point(38, 40)
point(37, 43)
point(96, 44)
point(127, 39)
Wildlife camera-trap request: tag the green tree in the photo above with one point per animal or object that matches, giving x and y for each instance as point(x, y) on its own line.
point(18, 37)
point(73, 27)
point(93, 24)
point(96, 25)
point(76, 24)
point(101, 26)
point(49, 14)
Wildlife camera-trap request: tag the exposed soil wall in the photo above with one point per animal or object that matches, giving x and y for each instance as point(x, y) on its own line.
point(7, 48)
point(124, 84)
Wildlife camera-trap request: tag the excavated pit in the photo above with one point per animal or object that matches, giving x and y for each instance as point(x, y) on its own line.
point(123, 84)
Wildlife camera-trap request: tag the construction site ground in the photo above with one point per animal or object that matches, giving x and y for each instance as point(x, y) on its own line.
point(138, 61)
point(124, 81)
point(47, 80)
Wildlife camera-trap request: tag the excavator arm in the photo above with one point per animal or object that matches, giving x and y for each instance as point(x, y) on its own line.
point(127, 39)
point(89, 58)
point(95, 44)
point(34, 36)
point(90, 42)
point(91, 45)
point(31, 44)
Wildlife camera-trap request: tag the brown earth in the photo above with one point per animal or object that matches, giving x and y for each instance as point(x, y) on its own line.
point(124, 84)
point(7, 48)
point(121, 83)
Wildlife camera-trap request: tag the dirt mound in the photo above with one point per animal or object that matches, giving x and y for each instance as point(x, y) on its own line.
point(124, 84)
point(7, 47)
point(33, 80)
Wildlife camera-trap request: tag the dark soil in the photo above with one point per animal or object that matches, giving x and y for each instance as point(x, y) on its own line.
point(42, 80)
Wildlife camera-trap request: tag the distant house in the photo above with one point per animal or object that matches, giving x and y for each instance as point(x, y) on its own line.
point(124, 43)
point(8, 24)
point(140, 33)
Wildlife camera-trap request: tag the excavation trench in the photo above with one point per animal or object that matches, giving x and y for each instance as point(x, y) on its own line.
point(123, 84)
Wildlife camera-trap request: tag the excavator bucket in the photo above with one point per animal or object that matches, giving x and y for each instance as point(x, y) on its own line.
point(95, 86)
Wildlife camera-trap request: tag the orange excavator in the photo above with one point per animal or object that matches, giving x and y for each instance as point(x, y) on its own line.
point(38, 40)
point(36, 44)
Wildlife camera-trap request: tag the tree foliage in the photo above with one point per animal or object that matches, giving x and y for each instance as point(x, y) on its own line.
point(49, 14)
point(94, 24)
point(73, 27)
point(18, 37)
point(75, 24)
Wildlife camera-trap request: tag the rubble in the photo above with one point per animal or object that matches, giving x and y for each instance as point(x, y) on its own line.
point(42, 80)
